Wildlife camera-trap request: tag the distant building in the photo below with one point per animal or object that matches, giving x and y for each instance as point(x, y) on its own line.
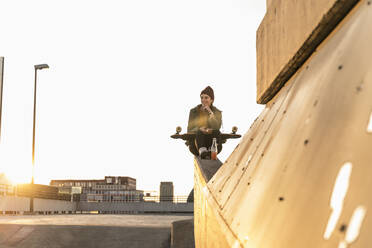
point(5, 185)
point(127, 183)
point(110, 189)
point(43, 192)
point(151, 196)
point(166, 191)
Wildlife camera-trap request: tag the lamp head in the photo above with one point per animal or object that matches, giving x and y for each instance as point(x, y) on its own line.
point(41, 66)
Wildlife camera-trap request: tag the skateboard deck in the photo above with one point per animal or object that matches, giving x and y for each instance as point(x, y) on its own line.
point(190, 136)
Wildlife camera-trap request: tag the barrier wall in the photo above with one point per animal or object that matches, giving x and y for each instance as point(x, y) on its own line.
point(22, 204)
point(139, 207)
point(46, 205)
point(16, 204)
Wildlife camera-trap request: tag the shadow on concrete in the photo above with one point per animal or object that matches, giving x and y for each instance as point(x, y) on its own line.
point(74, 236)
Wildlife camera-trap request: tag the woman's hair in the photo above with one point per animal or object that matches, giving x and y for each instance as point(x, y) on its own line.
point(208, 91)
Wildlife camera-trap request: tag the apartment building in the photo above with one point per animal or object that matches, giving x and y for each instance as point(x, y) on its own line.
point(166, 191)
point(109, 189)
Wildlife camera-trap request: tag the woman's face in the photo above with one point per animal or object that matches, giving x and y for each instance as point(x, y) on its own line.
point(206, 100)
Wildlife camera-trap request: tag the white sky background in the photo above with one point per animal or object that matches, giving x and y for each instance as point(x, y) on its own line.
point(123, 75)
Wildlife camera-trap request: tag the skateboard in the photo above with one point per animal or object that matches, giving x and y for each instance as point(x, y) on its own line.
point(190, 136)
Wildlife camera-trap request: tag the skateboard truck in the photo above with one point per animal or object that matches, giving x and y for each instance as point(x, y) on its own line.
point(178, 130)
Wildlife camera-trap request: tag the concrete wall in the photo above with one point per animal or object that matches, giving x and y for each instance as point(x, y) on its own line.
point(140, 207)
point(45, 205)
point(16, 204)
point(301, 175)
point(289, 33)
point(22, 204)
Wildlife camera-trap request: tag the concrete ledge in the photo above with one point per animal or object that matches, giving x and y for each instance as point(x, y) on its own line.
point(182, 234)
point(208, 167)
point(288, 35)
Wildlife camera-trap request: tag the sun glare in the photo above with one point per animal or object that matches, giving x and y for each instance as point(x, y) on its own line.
point(340, 189)
point(18, 178)
point(17, 174)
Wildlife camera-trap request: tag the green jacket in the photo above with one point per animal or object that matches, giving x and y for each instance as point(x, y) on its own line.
point(199, 118)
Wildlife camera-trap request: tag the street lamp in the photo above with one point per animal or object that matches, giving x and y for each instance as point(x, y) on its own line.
point(1, 86)
point(37, 67)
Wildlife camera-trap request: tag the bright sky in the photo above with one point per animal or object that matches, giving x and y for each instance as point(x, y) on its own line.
point(123, 74)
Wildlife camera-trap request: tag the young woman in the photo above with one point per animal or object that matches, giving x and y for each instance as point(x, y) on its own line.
point(205, 121)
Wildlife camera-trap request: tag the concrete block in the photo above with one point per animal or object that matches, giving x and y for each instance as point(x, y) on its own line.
point(288, 35)
point(182, 234)
point(208, 167)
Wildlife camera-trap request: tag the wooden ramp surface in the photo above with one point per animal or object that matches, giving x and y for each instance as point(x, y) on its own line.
point(302, 174)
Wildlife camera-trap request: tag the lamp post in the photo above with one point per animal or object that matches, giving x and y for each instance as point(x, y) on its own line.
point(37, 67)
point(1, 86)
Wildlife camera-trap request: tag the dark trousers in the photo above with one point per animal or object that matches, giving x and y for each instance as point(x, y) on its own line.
point(205, 140)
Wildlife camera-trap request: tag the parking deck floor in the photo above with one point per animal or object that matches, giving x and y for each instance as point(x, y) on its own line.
point(56, 231)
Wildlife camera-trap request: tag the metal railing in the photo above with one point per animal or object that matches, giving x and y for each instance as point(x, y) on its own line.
point(131, 198)
point(174, 199)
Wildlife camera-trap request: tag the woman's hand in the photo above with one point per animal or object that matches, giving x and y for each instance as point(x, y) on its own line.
point(205, 130)
point(208, 109)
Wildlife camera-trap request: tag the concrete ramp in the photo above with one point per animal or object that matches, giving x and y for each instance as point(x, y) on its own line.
point(302, 175)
